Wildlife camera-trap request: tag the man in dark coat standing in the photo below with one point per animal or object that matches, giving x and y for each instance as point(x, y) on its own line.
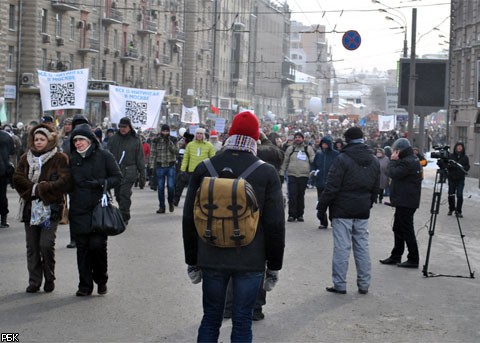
point(351, 187)
point(127, 149)
point(405, 172)
point(245, 265)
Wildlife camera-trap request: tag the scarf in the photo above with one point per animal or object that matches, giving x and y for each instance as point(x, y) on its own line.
point(35, 163)
point(241, 143)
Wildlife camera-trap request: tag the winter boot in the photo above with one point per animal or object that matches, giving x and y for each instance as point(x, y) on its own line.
point(3, 223)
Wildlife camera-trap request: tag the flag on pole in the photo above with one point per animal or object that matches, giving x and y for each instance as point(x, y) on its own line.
point(215, 110)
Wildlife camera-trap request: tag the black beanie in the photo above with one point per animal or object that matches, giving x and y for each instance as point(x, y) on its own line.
point(165, 127)
point(298, 133)
point(353, 133)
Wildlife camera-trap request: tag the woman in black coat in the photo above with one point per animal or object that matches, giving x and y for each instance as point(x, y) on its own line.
point(90, 166)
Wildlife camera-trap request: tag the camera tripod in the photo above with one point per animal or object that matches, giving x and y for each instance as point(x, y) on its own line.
point(440, 178)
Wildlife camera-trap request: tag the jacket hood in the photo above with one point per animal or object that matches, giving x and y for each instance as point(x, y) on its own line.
point(360, 153)
point(52, 139)
point(455, 149)
point(83, 130)
point(328, 140)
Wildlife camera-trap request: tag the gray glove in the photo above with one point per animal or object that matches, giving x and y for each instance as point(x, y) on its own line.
point(271, 279)
point(195, 274)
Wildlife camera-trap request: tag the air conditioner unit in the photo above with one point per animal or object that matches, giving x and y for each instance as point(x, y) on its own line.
point(106, 51)
point(46, 38)
point(156, 62)
point(27, 79)
point(60, 41)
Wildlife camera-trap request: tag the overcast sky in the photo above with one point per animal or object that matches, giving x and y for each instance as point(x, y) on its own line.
point(382, 39)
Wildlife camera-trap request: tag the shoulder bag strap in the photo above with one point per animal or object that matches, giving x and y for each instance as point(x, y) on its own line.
point(210, 168)
point(251, 169)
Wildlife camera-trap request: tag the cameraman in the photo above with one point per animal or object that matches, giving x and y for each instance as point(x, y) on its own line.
point(456, 178)
point(405, 171)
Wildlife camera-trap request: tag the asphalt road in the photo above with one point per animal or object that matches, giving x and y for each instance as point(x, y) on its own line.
point(151, 299)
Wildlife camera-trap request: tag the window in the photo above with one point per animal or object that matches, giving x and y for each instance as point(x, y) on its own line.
point(114, 71)
point(462, 135)
point(71, 58)
point(58, 25)
point(10, 58)
point(44, 20)
point(93, 67)
point(72, 28)
point(11, 17)
point(115, 39)
point(44, 59)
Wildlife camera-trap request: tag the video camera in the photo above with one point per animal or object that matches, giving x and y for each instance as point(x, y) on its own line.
point(442, 152)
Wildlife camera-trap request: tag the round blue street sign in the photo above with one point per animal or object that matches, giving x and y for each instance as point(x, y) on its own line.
point(351, 40)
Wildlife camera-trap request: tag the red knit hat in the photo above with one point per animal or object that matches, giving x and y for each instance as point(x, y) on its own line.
point(213, 134)
point(245, 124)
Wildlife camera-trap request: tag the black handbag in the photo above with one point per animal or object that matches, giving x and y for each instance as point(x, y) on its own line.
point(107, 218)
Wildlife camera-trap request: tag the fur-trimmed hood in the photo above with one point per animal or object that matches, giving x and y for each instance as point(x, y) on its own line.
point(46, 130)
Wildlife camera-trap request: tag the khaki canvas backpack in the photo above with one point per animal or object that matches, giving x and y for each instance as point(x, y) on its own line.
point(226, 211)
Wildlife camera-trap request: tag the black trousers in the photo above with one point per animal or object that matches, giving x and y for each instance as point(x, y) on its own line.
point(3, 195)
point(404, 233)
point(455, 189)
point(181, 181)
point(91, 260)
point(296, 196)
point(323, 217)
point(123, 195)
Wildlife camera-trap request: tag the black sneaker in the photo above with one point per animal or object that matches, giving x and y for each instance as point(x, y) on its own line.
point(171, 208)
point(300, 219)
point(82, 293)
point(49, 286)
point(161, 210)
point(290, 219)
point(449, 213)
point(32, 289)
point(102, 289)
point(258, 315)
point(71, 245)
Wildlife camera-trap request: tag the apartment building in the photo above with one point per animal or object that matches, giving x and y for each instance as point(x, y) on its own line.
point(464, 92)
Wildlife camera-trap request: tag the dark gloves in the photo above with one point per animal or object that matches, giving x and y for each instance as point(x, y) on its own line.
point(194, 273)
point(271, 279)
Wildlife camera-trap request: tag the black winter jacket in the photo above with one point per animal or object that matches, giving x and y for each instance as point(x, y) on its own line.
point(406, 175)
point(352, 183)
point(454, 172)
point(269, 242)
point(88, 175)
point(7, 148)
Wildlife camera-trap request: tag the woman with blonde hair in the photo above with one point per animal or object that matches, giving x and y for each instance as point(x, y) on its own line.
point(42, 177)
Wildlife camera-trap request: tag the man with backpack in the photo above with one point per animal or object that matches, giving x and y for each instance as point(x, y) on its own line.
point(296, 167)
point(253, 242)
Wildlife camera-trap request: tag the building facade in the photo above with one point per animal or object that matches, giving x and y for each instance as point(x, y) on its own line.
point(464, 81)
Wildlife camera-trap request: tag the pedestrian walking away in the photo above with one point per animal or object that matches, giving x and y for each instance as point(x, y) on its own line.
point(244, 265)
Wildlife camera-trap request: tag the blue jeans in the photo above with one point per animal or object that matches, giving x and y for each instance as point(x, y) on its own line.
point(169, 174)
point(245, 288)
point(348, 232)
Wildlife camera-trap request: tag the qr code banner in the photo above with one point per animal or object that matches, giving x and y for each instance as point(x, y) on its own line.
point(137, 112)
point(62, 94)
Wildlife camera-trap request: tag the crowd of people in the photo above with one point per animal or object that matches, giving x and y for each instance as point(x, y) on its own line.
point(67, 169)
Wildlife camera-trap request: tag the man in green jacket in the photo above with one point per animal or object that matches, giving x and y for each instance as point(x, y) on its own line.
point(196, 151)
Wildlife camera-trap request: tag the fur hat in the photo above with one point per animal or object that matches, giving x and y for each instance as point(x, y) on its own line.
point(125, 121)
point(353, 133)
point(245, 124)
point(401, 144)
point(45, 130)
point(200, 130)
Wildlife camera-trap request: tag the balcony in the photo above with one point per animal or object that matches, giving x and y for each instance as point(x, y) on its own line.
point(288, 72)
point(147, 27)
point(91, 45)
point(65, 5)
point(176, 37)
point(129, 54)
point(112, 16)
point(162, 60)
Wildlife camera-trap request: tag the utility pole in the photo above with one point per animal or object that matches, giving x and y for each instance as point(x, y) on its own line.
point(412, 80)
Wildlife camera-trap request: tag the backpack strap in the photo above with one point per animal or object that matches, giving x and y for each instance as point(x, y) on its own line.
point(251, 169)
point(234, 208)
point(210, 168)
point(210, 207)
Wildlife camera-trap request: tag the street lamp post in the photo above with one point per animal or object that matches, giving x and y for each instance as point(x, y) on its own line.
point(404, 27)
